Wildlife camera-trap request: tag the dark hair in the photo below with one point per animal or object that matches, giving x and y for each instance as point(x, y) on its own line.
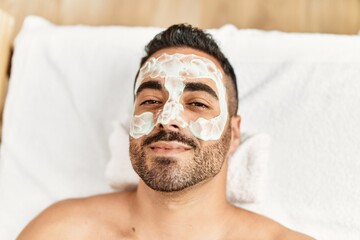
point(185, 35)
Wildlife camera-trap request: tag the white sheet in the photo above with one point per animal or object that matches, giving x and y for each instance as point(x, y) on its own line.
point(69, 83)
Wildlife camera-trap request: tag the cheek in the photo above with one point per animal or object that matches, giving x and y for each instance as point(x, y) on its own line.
point(142, 124)
point(208, 124)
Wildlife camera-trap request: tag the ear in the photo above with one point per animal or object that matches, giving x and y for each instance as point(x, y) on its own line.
point(235, 134)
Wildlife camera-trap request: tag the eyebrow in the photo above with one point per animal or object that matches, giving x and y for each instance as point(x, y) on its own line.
point(192, 87)
point(149, 85)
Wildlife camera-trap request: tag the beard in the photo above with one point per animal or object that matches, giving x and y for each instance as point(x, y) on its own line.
point(169, 174)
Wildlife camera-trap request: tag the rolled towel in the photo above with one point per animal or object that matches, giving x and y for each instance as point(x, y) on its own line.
point(247, 170)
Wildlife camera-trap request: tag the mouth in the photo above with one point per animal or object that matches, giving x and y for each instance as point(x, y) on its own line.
point(172, 147)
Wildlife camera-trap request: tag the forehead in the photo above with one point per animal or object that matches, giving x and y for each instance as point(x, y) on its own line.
point(188, 51)
point(180, 63)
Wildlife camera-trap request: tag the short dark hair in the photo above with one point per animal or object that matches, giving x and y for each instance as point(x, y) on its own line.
point(185, 35)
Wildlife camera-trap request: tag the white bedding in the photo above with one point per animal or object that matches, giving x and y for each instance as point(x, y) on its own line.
point(69, 83)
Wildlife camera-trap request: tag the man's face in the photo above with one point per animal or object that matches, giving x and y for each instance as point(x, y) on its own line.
point(179, 132)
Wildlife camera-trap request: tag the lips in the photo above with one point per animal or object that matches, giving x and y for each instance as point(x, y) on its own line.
point(169, 147)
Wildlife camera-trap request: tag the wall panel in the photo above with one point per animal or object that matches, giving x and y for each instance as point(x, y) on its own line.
point(329, 16)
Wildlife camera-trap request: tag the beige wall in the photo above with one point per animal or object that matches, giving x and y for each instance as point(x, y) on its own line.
point(330, 16)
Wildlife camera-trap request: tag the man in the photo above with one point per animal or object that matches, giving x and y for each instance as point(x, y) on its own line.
point(183, 131)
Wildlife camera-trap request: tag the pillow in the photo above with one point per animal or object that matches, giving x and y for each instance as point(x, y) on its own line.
point(68, 83)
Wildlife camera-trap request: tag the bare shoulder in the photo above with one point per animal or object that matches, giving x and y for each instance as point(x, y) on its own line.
point(289, 234)
point(266, 227)
point(77, 218)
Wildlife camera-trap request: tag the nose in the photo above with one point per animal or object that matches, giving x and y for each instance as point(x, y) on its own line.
point(170, 117)
point(173, 126)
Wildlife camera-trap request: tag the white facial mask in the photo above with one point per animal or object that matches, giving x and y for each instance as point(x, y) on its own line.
point(175, 69)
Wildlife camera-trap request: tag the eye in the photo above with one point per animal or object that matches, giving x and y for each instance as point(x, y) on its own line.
point(199, 105)
point(150, 102)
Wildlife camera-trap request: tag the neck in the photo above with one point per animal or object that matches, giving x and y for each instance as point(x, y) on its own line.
point(187, 214)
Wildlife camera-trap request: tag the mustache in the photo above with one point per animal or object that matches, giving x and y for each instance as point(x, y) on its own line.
point(169, 136)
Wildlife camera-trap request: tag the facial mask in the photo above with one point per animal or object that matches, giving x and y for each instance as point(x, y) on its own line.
point(175, 69)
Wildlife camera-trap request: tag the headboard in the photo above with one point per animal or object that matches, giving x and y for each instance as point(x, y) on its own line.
point(324, 16)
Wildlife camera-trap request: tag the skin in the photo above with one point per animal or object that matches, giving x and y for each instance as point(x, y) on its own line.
point(197, 212)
